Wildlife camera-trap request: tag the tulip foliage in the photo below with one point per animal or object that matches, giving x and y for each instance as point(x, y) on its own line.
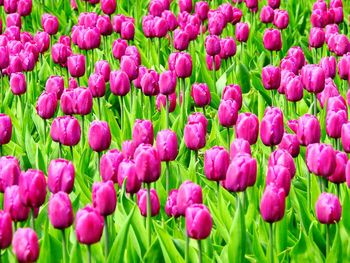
point(174, 131)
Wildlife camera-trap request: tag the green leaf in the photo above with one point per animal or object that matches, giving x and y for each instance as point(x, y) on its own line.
point(243, 77)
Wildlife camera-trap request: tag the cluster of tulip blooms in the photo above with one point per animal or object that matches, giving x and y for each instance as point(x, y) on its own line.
point(137, 166)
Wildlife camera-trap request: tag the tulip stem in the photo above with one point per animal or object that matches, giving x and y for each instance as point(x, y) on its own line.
point(159, 47)
point(0, 149)
point(64, 252)
point(228, 138)
point(71, 153)
point(308, 191)
point(167, 110)
point(338, 190)
point(214, 75)
point(150, 108)
point(271, 243)
point(32, 225)
point(315, 104)
point(184, 96)
point(59, 150)
point(106, 237)
point(271, 58)
point(149, 215)
point(167, 177)
point(82, 130)
point(45, 125)
point(199, 251)
point(327, 239)
point(195, 163)
point(89, 253)
point(187, 248)
point(99, 107)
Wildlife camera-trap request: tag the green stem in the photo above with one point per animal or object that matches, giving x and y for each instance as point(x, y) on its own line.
point(159, 47)
point(106, 237)
point(99, 107)
point(195, 164)
point(271, 243)
point(89, 253)
point(308, 191)
point(45, 128)
point(167, 111)
point(184, 97)
point(338, 190)
point(59, 150)
point(167, 177)
point(64, 251)
point(271, 58)
point(0, 149)
point(82, 130)
point(187, 248)
point(199, 251)
point(228, 138)
point(150, 108)
point(315, 104)
point(71, 153)
point(214, 74)
point(149, 215)
point(327, 239)
point(32, 224)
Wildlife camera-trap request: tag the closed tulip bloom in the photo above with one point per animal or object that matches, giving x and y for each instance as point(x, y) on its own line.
point(171, 204)
point(236, 16)
point(49, 24)
point(281, 19)
point(283, 158)
point(167, 82)
point(339, 44)
point(308, 130)
point(119, 83)
point(160, 27)
point(212, 45)
point(88, 225)
point(42, 40)
point(18, 83)
point(345, 137)
point(13, 205)
point(290, 144)
point(329, 65)
point(334, 123)
point(99, 136)
point(233, 92)
point(60, 176)
point(343, 65)
point(46, 105)
point(279, 176)
point(60, 210)
point(104, 25)
point(76, 65)
point(5, 230)
point(109, 165)
point(142, 132)
point(272, 128)
point(104, 197)
point(201, 8)
point(147, 162)
point(127, 30)
point(133, 52)
point(239, 146)
point(129, 65)
point(198, 117)
point(60, 53)
point(25, 245)
point(83, 100)
point(242, 32)
point(10, 6)
point(12, 33)
point(102, 68)
point(32, 188)
point(227, 10)
point(271, 77)
point(181, 39)
point(149, 83)
point(183, 65)
point(55, 84)
point(5, 129)
point(330, 90)
point(216, 22)
point(201, 94)
point(339, 176)
point(210, 62)
point(4, 57)
point(320, 159)
point(198, 221)
point(72, 83)
point(228, 113)
point(68, 102)
point(294, 89)
point(336, 103)
point(338, 14)
point(10, 171)
point(266, 15)
point(228, 47)
point(161, 102)
point(142, 202)
point(156, 7)
point(194, 136)
point(118, 48)
point(247, 127)
point(13, 20)
point(331, 30)
point(89, 38)
point(313, 78)
point(328, 209)
point(108, 6)
point(272, 39)
point(167, 145)
point(216, 162)
point(66, 130)
point(316, 37)
point(170, 19)
point(128, 149)
point(189, 193)
point(97, 85)
point(272, 204)
point(185, 5)
point(127, 172)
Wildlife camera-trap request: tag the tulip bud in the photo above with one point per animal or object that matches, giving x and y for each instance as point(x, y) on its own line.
point(271, 77)
point(104, 197)
point(201, 8)
point(281, 19)
point(339, 44)
point(194, 136)
point(290, 144)
point(201, 94)
point(18, 83)
point(336, 103)
point(272, 128)
point(13, 19)
point(109, 165)
point(227, 113)
point(272, 204)
point(185, 5)
point(167, 145)
point(241, 173)
point(127, 31)
point(46, 105)
point(60, 176)
point(328, 209)
point(320, 159)
point(313, 78)
point(171, 204)
point(233, 92)
point(129, 65)
point(247, 127)
point(25, 245)
point(345, 136)
point(119, 83)
point(5, 230)
point(55, 84)
point(5, 129)
point(170, 19)
point(9, 172)
point(238, 147)
point(338, 176)
point(149, 83)
point(13, 205)
point(76, 65)
point(104, 25)
point(317, 37)
point(142, 132)
point(102, 68)
point(88, 225)
point(308, 130)
point(189, 193)
point(32, 188)
point(198, 117)
point(242, 32)
point(198, 221)
point(4, 57)
point(228, 47)
point(183, 65)
point(97, 85)
point(49, 24)
point(283, 158)
point(272, 39)
point(66, 130)
point(279, 176)
point(127, 172)
point(160, 27)
point(212, 45)
point(329, 64)
point(118, 48)
point(267, 15)
point(108, 6)
point(142, 202)
point(60, 210)
point(167, 82)
point(216, 162)
point(99, 136)
point(334, 122)
point(128, 149)
point(156, 7)
point(147, 162)
point(216, 22)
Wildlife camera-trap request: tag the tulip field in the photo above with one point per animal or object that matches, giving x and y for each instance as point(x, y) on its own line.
point(174, 131)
